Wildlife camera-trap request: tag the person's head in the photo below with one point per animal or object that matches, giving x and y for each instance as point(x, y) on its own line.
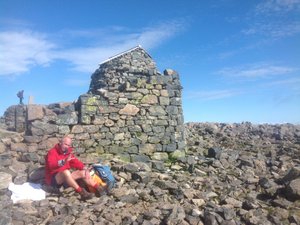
point(65, 144)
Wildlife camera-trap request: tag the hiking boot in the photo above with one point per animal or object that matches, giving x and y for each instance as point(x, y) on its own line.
point(101, 190)
point(85, 195)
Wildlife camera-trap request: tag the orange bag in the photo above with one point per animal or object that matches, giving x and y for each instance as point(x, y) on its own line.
point(97, 180)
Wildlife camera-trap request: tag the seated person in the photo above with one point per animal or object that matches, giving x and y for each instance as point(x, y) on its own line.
point(64, 169)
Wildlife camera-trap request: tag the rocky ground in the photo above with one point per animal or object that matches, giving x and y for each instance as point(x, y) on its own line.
point(231, 174)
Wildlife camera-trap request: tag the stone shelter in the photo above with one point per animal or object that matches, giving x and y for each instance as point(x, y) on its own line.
point(130, 110)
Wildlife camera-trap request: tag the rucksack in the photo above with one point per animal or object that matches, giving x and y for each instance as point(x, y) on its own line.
point(104, 172)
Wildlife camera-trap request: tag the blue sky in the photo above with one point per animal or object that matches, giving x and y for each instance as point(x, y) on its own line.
point(238, 60)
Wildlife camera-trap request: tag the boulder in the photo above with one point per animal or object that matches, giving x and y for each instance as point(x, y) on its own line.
point(5, 180)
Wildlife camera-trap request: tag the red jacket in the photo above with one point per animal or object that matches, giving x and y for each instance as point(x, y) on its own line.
point(54, 163)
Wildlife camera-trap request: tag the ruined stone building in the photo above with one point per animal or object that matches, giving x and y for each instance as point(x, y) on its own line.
point(131, 110)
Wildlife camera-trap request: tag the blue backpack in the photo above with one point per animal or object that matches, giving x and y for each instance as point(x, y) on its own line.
point(105, 174)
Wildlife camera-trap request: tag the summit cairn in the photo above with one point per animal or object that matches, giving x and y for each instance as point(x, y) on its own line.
point(140, 108)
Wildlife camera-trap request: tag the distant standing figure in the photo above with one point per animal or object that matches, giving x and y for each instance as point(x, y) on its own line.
point(20, 96)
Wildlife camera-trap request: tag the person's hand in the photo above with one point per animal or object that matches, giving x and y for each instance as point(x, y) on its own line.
point(70, 157)
point(87, 172)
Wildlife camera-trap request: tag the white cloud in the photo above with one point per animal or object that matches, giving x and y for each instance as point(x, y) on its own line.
point(271, 6)
point(294, 81)
point(273, 20)
point(22, 50)
point(253, 71)
point(210, 95)
point(274, 30)
point(154, 36)
point(292, 84)
point(86, 59)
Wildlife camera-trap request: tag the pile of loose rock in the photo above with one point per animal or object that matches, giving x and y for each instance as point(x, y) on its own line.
point(231, 174)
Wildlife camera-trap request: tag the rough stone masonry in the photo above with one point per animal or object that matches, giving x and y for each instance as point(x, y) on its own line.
point(131, 110)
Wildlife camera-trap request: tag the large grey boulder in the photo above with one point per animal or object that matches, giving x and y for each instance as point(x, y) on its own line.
point(5, 180)
point(293, 189)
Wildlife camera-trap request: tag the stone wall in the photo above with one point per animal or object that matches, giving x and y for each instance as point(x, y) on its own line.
point(15, 118)
point(131, 110)
point(232, 174)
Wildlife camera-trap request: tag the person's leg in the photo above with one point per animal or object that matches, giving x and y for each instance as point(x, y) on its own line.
point(70, 178)
point(85, 176)
point(53, 187)
point(67, 177)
